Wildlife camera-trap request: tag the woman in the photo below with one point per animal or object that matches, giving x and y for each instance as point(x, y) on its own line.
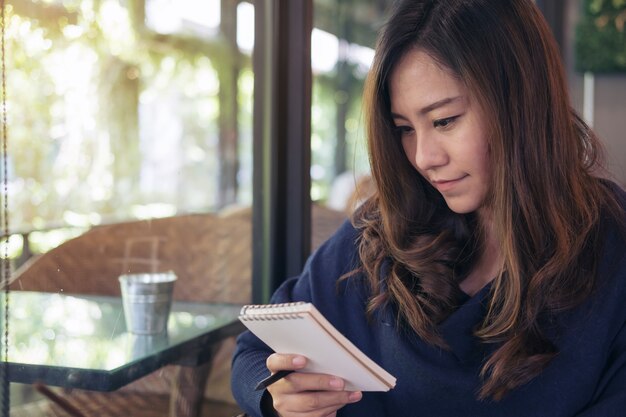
point(488, 273)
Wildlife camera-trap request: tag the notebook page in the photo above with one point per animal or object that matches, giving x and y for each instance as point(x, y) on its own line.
point(290, 330)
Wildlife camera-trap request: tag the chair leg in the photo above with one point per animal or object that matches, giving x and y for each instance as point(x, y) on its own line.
point(188, 390)
point(63, 403)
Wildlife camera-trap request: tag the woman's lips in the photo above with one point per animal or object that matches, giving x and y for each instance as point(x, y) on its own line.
point(447, 185)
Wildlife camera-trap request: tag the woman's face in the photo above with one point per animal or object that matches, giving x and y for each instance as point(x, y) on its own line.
point(442, 131)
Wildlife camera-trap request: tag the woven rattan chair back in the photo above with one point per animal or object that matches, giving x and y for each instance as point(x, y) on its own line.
point(209, 253)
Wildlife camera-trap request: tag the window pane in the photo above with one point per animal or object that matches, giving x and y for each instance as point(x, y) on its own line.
point(342, 52)
point(130, 149)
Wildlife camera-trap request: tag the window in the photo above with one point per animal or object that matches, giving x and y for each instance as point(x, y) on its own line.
point(113, 119)
point(124, 114)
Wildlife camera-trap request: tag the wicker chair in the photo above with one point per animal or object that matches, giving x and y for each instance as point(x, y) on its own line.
point(199, 248)
point(212, 257)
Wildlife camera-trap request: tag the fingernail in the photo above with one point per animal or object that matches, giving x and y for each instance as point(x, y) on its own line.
point(336, 383)
point(298, 361)
point(355, 396)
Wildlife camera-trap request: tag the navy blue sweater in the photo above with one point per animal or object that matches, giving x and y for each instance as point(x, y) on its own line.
point(587, 378)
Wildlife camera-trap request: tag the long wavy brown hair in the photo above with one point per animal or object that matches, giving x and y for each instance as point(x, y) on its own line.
point(545, 197)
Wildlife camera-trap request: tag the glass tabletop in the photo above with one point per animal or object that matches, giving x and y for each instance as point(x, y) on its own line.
point(81, 341)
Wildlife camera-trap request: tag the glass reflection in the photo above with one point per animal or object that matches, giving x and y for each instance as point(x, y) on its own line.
point(90, 332)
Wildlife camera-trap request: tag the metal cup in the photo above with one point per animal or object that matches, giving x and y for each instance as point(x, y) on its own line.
point(147, 300)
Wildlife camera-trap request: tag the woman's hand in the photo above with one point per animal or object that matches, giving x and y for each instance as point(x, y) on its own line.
point(306, 395)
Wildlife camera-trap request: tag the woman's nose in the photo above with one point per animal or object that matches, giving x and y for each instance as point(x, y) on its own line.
point(429, 153)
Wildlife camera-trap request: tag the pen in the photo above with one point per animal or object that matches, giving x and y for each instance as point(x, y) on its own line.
point(271, 379)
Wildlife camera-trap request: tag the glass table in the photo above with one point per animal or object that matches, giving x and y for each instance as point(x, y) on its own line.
point(78, 341)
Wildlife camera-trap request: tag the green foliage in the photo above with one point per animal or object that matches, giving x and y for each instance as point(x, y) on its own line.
point(324, 135)
point(601, 37)
point(109, 118)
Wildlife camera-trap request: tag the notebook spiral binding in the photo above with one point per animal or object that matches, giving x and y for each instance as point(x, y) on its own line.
point(268, 312)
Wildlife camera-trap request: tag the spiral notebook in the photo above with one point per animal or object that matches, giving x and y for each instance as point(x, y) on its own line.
point(300, 328)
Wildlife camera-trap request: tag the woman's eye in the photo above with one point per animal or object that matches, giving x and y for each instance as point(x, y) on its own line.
point(403, 130)
point(445, 122)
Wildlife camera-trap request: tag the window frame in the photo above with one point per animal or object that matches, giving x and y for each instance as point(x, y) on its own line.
point(281, 142)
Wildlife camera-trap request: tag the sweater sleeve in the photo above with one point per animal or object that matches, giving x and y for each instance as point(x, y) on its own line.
point(317, 284)
point(610, 397)
point(248, 366)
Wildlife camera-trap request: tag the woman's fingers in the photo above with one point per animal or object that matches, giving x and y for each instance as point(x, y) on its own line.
point(301, 381)
point(280, 361)
point(320, 403)
point(303, 394)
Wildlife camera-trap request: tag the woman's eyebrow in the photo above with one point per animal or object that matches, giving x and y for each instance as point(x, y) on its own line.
point(440, 103)
point(432, 106)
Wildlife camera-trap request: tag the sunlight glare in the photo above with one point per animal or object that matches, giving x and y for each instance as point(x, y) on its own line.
point(173, 16)
point(245, 27)
point(324, 50)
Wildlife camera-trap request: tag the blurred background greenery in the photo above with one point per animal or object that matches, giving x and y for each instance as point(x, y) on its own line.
point(601, 36)
point(143, 108)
